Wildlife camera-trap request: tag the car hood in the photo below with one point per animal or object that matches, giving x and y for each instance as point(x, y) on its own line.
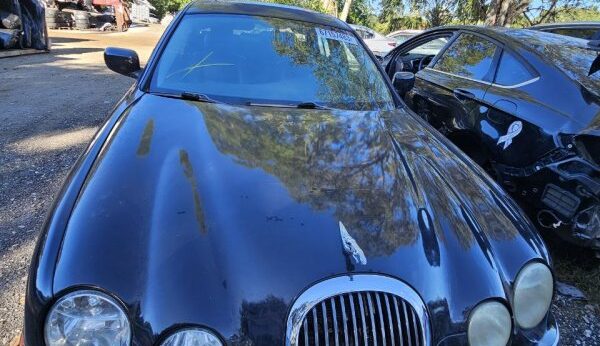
point(219, 216)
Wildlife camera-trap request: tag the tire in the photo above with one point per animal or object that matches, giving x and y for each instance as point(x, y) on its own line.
point(81, 15)
point(51, 12)
point(62, 24)
point(82, 24)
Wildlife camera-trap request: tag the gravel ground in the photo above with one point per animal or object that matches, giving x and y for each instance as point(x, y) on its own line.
point(52, 104)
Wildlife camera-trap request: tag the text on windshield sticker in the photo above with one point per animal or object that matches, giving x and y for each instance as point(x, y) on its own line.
point(337, 35)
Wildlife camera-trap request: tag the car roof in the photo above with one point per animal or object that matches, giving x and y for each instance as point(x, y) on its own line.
point(509, 36)
point(405, 32)
point(264, 9)
point(567, 25)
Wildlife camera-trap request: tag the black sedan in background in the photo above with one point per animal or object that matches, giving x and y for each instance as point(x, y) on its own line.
point(279, 193)
point(523, 104)
point(584, 30)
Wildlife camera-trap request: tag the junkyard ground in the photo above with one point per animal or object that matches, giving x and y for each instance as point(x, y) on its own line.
point(51, 106)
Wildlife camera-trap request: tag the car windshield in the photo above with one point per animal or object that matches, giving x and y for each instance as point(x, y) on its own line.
point(401, 38)
point(569, 54)
point(261, 60)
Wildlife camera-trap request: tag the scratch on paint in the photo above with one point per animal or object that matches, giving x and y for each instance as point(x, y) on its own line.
point(144, 147)
point(188, 170)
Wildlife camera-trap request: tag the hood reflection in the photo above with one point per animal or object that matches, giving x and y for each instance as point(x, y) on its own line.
point(347, 162)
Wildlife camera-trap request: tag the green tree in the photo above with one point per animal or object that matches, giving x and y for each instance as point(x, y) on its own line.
point(167, 6)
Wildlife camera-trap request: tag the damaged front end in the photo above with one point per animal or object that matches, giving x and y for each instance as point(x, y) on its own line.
point(562, 189)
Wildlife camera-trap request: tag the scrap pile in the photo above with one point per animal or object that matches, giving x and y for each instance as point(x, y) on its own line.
point(22, 24)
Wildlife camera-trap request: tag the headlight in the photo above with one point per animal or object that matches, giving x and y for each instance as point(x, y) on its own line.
point(87, 318)
point(532, 294)
point(490, 325)
point(192, 337)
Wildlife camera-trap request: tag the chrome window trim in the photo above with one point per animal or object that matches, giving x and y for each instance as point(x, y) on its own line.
point(518, 85)
point(350, 284)
point(458, 76)
point(513, 86)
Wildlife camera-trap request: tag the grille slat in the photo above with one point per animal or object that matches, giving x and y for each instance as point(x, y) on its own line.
point(406, 324)
point(316, 327)
point(381, 322)
point(305, 327)
point(344, 320)
point(390, 320)
point(325, 324)
point(361, 318)
point(354, 325)
point(372, 318)
point(415, 328)
point(335, 323)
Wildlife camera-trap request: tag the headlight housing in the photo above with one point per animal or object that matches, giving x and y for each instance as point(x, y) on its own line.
point(490, 324)
point(532, 294)
point(87, 318)
point(193, 337)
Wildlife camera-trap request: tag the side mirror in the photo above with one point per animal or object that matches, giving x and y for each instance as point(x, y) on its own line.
point(403, 81)
point(123, 61)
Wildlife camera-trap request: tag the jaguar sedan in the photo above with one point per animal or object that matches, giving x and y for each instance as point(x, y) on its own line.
point(279, 193)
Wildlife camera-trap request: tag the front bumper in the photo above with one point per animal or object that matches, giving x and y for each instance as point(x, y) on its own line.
point(546, 334)
point(543, 336)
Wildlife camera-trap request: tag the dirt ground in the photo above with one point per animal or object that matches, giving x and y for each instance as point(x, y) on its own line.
point(52, 104)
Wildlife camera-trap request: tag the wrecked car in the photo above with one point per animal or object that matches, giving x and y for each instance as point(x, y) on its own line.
point(22, 25)
point(279, 193)
point(523, 104)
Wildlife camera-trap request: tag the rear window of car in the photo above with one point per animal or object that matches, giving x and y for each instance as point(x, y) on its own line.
point(253, 59)
point(569, 54)
point(511, 71)
point(468, 56)
point(585, 33)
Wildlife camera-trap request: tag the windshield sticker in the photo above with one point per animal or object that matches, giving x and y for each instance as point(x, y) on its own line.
point(337, 35)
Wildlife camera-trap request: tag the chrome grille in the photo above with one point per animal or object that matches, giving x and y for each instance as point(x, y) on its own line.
point(361, 318)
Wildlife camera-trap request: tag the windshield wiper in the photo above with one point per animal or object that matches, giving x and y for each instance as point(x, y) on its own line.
point(310, 105)
point(301, 105)
point(197, 97)
point(187, 96)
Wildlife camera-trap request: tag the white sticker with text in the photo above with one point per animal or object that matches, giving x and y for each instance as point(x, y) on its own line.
point(336, 35)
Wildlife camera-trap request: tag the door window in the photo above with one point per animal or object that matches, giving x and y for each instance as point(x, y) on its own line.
point(511, 71)
point(431, 47)
point(469, 56)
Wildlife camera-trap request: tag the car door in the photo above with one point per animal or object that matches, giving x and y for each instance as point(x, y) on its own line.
point(449, 93)
point(505, 130)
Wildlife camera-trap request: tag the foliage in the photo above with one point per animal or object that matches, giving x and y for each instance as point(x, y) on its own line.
point(547, 11)
point(391, 15)
point(167, 6)
point(315, 5)
point(582, 14)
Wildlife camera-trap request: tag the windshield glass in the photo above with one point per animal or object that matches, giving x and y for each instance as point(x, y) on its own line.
point(251, 59)
point(570, 54)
